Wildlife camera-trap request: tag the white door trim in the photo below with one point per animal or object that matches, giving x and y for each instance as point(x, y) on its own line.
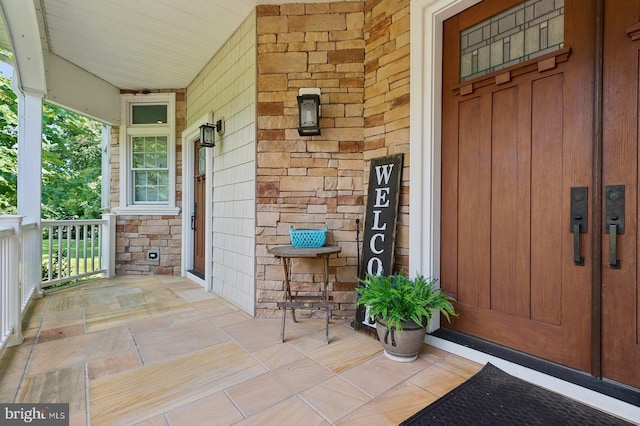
point(189, 136)
point(427, 17)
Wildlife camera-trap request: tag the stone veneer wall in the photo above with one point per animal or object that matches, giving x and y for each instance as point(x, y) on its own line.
point(135, 234)
point(309, 181)
point(386, 100)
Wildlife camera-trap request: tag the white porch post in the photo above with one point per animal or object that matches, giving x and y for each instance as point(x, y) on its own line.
point(108, 245)
point(30, 177)
point(29, 156)
point(105, 203)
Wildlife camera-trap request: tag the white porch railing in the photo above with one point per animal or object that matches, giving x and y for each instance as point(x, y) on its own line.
point(73, 249)
point(83, 247)
point(9, 280)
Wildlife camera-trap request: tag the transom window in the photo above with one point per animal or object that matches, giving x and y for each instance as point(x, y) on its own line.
point(523, 32)
point(149, 114)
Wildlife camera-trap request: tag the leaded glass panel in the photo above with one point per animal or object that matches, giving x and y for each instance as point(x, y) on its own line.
point(202, 160)
point(523, 32)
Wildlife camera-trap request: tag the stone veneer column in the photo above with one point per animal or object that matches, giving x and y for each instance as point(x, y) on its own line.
point(386, 99)
point(309, 181)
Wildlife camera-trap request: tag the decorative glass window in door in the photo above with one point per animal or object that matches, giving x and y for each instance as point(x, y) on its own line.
point(202, 160)
point(530, 29)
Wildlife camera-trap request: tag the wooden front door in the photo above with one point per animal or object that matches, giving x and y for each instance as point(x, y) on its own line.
point(198, 218)
point(515, 141)
point(620, 286)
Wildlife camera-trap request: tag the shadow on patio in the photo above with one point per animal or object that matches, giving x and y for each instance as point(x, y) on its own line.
point(161, 350)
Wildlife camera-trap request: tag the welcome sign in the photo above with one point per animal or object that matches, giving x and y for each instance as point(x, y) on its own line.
point(380, 219)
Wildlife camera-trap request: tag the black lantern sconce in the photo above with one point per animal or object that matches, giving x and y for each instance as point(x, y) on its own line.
point(208, 133)
point(309, 107)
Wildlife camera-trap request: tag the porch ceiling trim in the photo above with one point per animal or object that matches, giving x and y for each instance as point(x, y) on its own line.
point(71, 87)
point(21, 23)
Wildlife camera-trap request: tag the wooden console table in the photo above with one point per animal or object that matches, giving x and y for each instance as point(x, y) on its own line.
point(308, 302)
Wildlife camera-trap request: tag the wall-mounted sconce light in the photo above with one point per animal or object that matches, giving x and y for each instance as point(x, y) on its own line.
point(208, 133)
point(309, 107)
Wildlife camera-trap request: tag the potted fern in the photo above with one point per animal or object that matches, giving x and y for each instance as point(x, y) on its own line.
point(402, 308)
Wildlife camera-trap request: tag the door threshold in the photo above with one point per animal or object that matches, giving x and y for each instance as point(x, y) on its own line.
point(196, 273)
point(616, 390)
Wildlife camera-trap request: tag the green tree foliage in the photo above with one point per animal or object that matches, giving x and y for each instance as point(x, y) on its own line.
point(71, 160)
point(8, 147)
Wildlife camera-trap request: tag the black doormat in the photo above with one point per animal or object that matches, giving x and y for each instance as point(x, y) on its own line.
point(493, 397)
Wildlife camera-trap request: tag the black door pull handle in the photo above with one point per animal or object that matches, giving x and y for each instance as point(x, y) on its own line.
point(614, 262)
point(614, 220)
point(577, 259)
point(578, 220)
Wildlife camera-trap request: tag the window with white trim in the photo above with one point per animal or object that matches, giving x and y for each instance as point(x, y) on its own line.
point(147, 155)
point(150, 169)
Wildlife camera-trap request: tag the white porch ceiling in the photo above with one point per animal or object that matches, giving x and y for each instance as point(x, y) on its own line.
point(4, 37)
point(142, 44)
point(80, 54)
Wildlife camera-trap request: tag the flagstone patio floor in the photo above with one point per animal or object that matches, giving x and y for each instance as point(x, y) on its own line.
point(163, 351)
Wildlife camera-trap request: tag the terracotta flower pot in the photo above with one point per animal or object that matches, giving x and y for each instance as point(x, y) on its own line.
point(403, 345)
